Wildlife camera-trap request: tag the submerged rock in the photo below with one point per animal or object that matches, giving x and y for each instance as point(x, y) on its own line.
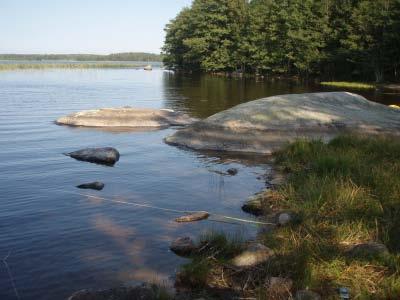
point(368, 249)
point(197, 216)
point(126, 117)
point(183, 246)
point(106, 156)
point(254, 255)
point(98, 186)
point(232, 171)
point(265, 125)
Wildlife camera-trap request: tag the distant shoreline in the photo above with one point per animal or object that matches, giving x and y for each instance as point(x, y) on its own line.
point(128, 56)
point(72, 65)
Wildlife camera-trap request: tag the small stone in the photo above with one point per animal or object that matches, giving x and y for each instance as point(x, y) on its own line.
point(198, 216)
point(307, 295)
point(255, 254)
point(368, 249)
point(232, 171)
point(98, 186)
point(183, 246)
point(283, 218)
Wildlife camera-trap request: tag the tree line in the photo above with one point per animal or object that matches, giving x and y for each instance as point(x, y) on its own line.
point(127, 56)
point(330, 39)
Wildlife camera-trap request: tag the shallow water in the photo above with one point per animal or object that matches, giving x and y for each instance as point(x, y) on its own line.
point(61, 239)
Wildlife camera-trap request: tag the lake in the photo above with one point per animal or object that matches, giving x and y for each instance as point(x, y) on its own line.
point(57, 239)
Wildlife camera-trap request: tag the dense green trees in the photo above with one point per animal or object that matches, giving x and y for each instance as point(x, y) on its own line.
point(328, 38)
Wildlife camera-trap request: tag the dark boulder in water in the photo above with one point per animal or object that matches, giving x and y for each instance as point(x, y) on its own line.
point(232, 171)
point(98, 186)
point(105, 156)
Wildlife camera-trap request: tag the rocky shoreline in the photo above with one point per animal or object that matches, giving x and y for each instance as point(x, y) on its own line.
point(262, 126)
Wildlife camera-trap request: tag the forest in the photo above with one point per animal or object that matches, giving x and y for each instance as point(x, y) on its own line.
point(326, 39)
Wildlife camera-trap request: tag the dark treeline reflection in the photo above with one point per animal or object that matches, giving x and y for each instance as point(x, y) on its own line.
point(205, 95)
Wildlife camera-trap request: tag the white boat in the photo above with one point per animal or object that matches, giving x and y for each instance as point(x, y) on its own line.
point(148, 68)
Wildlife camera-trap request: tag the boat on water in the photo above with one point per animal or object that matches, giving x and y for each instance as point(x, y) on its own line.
point(148, 68)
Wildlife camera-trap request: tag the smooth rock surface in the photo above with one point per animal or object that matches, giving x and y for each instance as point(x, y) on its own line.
point(106, 156)
point(98, 186)
point(265, 125)
point(183, 246)
point(126, 117)
point(254, 255)
point(197, 216)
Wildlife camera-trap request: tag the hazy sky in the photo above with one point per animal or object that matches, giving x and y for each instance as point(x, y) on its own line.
point(85, 26)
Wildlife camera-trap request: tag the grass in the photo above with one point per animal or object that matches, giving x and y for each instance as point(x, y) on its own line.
point(24, 66)
point(346, 192)
point(350, 85)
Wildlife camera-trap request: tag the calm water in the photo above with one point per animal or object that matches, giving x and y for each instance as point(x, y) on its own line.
point(58, 239)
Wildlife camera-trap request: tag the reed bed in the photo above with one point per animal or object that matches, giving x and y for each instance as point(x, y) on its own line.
point(40, 66)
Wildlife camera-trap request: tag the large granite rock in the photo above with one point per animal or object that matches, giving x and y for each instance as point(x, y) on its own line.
point(126, 117)
point(264, 125)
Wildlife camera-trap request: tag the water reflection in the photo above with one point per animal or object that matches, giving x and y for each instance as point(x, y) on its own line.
point(204, 95)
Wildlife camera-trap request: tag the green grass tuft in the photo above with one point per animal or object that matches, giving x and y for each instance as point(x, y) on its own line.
point(347, 192)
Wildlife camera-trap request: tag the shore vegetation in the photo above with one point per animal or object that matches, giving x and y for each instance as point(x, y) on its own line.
point(346, 193)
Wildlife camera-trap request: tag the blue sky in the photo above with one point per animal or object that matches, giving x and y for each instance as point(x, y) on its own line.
point(85, 26)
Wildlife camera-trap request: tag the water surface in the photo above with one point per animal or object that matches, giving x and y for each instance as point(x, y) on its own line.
point(61, 239)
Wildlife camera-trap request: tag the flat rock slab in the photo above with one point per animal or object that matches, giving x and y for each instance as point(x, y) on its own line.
point(105, 156)
point(265, 125)
point(98, 186)
point(126, 117)
point(197, 216)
